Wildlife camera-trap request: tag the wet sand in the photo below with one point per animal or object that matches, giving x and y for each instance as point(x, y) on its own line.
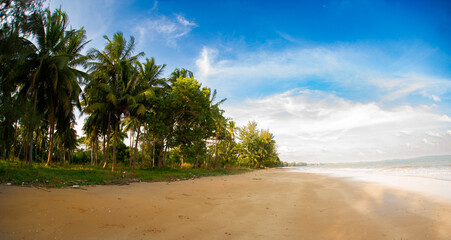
point(266, 204)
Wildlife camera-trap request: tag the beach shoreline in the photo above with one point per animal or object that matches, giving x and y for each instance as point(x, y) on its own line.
point(423, 185)
point(265, 204)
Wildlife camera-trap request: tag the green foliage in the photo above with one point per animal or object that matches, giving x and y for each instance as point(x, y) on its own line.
point(257, 147)
point(172, 122)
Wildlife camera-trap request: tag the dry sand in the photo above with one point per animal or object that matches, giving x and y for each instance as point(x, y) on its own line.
point(266, 204)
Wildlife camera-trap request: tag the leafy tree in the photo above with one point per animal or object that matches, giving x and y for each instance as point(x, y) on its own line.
point(257, 147)
point(191, 105)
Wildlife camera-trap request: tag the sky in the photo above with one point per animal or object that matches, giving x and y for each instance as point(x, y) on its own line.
point(333, 80)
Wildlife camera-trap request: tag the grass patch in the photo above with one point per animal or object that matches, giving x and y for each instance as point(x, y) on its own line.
point(17, 173)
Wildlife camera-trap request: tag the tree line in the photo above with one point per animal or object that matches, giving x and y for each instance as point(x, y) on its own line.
point(170, 121)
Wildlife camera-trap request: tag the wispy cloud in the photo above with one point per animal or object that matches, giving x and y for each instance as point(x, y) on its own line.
point(164, 28)
point(317, 126)
point(354, 67)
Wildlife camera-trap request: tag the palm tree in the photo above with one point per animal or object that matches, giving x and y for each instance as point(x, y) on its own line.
point(149, 82)
point(99, 109)
point(177, 73)
point(56, 79)
point(52, 79)
point(114, 68)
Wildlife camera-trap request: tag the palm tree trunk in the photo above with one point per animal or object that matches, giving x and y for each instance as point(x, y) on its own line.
point(165, 151)
point(153, 154)
point(36, 146)
point(114, 145)
point(104, 148)
point(30, 151)
point(216, 154)
point(197, 160)
point(181, 165)
point(20, 151)
point(96, 145)
point(25, 158)
point(64, 157)
point(136, 146)
point(42, 154)
point(132, 135)
point(142, 155)
point(92, 150)
point(52, 133)
point(160, 157)
point(108, 141)
point(30, 159)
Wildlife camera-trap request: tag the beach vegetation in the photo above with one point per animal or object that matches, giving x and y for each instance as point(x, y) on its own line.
point(171, 122)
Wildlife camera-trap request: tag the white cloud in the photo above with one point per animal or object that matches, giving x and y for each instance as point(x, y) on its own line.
point(161, 27)
point(435, 98)
point(204, 62)
point(350, 66)
point(433, 134)
point(317, 126)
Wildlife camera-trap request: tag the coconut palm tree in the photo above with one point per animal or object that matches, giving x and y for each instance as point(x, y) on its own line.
point(149, 82)
point(55, 82)
point(49, 78)
point(114, 68)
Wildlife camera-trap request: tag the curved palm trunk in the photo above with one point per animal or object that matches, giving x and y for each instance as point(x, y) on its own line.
point(114, 145)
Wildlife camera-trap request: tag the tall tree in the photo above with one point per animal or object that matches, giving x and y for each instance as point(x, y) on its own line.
point(149, 82)
point(114, 68)
point(48, 77)
point(15, 64)
point(191, 108)
point(55, 82)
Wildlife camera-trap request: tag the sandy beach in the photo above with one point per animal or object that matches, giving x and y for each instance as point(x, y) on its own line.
point(265, 204)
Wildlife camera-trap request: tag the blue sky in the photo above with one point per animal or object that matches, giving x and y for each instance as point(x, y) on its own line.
point(333, 80)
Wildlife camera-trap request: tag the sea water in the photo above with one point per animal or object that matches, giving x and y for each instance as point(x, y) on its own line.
point(427, 175)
